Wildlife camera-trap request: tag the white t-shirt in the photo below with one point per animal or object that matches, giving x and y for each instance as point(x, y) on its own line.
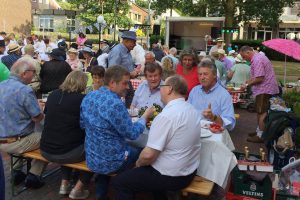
point(176, 133)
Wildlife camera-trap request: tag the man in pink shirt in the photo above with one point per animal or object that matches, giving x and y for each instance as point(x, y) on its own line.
point(264, 85)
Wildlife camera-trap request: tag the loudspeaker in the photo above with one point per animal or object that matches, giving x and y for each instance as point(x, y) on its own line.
point(215, 32)
point(156, 29)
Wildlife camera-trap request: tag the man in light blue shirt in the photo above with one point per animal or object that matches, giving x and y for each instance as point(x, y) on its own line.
point(120, 55)
point(148, 92)
point(210, 98)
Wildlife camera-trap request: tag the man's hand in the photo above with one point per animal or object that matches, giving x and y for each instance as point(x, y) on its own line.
point(208, 114)
point(148, 113)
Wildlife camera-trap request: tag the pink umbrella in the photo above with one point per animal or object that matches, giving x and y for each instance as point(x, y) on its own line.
point(286, 47)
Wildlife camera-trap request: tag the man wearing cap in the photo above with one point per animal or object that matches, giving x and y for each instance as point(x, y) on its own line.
point(54, 72)
point(232, 56)
point(264, 85)
point(120, 55)
point(14, 53)
point(240, 72)
point(223, 58)
point(219, 45)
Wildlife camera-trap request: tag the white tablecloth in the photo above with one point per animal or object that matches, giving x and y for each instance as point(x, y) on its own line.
point(216, 158)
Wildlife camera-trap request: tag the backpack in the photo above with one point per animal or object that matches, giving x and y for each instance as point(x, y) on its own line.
point(275, 123)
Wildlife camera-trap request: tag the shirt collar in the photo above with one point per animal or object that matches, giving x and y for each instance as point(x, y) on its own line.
point(16, 78)
point(124, 48)
point(174, 101)
point(159, 86)
point(211, 89)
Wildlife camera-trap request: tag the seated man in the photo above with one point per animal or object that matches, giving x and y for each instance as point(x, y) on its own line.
point(210, 98)
point(171, 157)
point(19, 110)
point(148, 91)
point(107, 125)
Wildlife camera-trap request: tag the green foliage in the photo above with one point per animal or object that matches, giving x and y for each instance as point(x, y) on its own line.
point(91, 9)
point(291, 98)
point(268, 14)
point(142, 3)
point(156, 38)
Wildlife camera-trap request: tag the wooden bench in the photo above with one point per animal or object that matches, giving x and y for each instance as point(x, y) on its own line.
point(200, 186)
point(36, 154)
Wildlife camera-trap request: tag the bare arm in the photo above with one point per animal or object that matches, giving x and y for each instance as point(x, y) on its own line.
point(147, 157)
point(255, 81)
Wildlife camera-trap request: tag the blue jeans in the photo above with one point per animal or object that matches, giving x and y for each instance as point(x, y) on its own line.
point(102, 180)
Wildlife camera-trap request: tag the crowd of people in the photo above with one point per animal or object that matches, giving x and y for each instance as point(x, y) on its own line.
point(86, 114)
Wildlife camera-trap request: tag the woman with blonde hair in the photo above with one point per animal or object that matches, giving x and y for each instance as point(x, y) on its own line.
point(167, 68)
point(62, 138)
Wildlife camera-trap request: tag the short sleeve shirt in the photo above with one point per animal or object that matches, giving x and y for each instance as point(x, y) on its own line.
point(175, 132)
point(18, 105)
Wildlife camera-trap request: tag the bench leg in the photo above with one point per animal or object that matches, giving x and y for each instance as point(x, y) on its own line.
point(14, 160)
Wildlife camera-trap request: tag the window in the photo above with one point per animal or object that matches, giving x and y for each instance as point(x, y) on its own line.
point(40, 1)
point(46, 24)
point(33, 0)
point(70, 23)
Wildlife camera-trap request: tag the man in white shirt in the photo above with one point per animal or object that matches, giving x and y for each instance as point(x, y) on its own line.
point(171, 156)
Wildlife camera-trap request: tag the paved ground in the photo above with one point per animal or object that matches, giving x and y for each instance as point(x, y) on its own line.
point(245, 124)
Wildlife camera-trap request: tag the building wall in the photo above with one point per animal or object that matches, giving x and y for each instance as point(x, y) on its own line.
point(15, 16)
point(137, 14)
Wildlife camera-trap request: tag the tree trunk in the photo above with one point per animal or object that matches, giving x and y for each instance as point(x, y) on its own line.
point(229, 17)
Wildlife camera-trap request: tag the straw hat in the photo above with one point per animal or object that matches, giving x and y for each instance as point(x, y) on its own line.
point(72, 50)
point(221, 51)
point(13, 47)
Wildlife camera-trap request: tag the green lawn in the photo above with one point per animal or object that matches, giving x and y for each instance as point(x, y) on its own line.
point(292, 70)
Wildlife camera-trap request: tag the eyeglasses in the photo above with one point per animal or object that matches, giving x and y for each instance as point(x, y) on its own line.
point(164, 85)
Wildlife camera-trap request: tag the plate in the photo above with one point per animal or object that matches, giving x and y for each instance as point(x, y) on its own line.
point(205, 133)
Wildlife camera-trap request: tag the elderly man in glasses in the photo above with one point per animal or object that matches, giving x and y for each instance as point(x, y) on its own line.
point(19, 111)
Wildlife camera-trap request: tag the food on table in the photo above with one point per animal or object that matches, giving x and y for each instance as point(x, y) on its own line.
point(216, 128)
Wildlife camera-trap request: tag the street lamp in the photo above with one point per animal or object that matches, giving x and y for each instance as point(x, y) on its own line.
point(100, 21)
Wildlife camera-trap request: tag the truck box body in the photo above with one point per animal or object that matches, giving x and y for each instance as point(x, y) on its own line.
point(187, 32)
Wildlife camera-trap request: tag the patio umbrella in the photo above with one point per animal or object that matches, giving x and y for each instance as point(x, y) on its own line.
point(286, 47)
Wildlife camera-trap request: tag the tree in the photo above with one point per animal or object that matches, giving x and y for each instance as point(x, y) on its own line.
point(91, 9)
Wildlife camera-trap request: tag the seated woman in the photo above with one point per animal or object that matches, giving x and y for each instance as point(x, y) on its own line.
point(62, 138)
point(187, 68)
point(98, 78)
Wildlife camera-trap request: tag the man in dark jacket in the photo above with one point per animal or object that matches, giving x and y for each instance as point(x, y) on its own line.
point(54, 72)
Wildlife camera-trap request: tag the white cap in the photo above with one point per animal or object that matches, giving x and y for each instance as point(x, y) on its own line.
point(202, 53)
point(231, 52)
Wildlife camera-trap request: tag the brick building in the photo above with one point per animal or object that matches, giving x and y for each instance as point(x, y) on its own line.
point(15, 16)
